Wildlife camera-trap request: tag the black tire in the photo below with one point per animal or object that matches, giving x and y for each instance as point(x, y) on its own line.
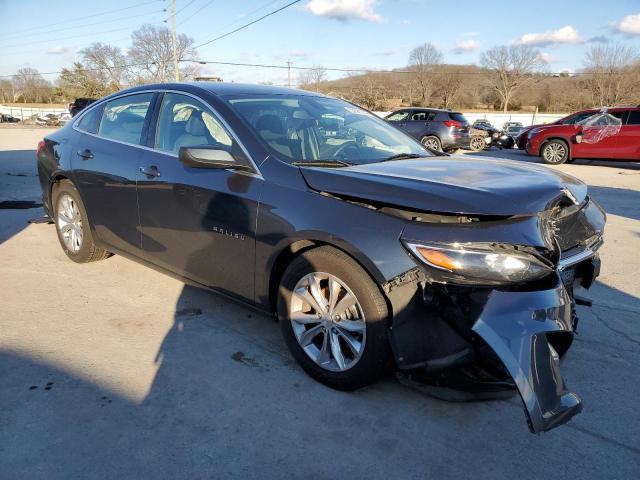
point(477, 143)
point(376, 353)
point(88, 252)
point(554, 152)
point(432, 140)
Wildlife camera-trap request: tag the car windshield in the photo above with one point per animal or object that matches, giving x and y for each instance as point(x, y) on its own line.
point(305, 128)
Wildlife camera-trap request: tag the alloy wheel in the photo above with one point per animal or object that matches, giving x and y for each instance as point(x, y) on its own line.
point(554, 152)
point(69, 223)
point(328, 321)
point(431, 143)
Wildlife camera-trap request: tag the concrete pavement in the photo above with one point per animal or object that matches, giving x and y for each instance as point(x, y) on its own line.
point(112, 370)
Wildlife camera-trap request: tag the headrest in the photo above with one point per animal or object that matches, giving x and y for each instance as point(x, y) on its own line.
point(195, 125)
point(271, 123)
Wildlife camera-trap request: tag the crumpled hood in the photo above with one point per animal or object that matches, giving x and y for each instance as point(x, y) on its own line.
point(453, 184)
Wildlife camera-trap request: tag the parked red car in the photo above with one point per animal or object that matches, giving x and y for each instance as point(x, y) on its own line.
point(607, 133)
point(521, 139)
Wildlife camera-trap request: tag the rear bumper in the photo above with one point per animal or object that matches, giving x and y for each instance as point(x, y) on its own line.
point(456, 141)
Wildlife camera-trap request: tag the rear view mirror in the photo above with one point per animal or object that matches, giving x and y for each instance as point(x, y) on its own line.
point(209, 157)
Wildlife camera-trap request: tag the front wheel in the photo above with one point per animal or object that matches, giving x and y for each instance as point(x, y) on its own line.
point(334, 319)
point(555, 152)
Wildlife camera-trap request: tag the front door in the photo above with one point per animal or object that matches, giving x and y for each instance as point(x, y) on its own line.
point(197, 222)
point(600, 135)
point(105, 164)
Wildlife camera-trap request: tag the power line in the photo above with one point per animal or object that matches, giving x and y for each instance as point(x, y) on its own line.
point(196, 12)
point(248, 24)
point(299, 67)
point(243, 16)
point(77, 36)
point(186, 6)
point(69, 20)
point(101, 22)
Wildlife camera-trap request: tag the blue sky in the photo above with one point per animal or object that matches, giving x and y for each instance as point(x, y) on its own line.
point(335, 33)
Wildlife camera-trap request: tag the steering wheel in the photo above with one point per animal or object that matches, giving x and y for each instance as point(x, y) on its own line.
point(342, 151)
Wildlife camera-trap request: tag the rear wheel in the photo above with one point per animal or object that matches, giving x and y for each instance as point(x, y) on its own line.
point(554, 152)
point(334, 318)
point(72, 225)
point(477, 144)
point(431, 142)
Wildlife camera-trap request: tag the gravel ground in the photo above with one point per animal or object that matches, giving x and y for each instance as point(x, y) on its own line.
point(112, 370)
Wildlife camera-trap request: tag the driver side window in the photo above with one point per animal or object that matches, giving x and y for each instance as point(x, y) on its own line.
point(187, 122)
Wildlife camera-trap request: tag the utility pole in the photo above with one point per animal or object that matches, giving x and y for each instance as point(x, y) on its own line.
point(176, 72)
point(289, 73)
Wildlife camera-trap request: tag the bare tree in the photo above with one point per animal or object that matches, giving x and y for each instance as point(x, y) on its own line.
point(511, 67)
point(313, 77)
point(448, 85)
point(107, 63)
point(613, 74)
point(151, 52)
point(6, 91)
point(424, 60)
point(30, 86)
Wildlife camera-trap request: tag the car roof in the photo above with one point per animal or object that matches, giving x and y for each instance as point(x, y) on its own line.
point(222, 88)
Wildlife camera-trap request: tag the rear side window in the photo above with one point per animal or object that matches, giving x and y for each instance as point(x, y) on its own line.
point(423, 116)
point(458, 117)
point(634, 117)
point(123, 118)
point(91, 120)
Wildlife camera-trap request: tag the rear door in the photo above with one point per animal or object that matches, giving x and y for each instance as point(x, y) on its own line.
point(105, 163)
point(629, 137)
point(418, 124)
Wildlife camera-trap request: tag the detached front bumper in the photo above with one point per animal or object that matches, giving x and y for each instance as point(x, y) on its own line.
point(526, 330)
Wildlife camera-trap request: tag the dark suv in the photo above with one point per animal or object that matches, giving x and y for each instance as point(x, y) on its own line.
point(79, 104)
point(436, 129)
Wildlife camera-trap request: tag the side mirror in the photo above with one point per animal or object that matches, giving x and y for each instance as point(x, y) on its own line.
point(209, 157)
point(578, 136)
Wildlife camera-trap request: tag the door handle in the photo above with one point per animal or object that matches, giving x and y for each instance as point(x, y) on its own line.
point(85, 154)
point(151, 171)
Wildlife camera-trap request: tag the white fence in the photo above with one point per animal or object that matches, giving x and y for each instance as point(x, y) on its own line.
point(27, 112)
point(498, 119)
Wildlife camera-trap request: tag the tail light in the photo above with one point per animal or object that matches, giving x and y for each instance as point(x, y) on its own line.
point(41, 146)
point(452, 123)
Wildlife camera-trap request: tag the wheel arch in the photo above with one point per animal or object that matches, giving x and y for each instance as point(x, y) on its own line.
point(296, 247)
point(559, 138)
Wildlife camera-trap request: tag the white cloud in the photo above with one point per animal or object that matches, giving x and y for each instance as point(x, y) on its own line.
point(562, 35)
point(57, 50)
point(547, 57)
point(629, 25)
point(464, 46)
point(345, 10)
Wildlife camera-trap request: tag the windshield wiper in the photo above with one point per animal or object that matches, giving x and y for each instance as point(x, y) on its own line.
point(403, 156)
point(322, 163)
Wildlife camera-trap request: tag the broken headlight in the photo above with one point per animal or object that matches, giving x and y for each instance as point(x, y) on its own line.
point(481, 264)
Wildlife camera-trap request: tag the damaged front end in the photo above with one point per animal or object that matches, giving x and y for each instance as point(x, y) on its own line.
point(492, 304)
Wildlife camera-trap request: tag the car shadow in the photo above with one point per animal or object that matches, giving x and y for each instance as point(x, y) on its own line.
point(228, 401)
point(19, 191)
